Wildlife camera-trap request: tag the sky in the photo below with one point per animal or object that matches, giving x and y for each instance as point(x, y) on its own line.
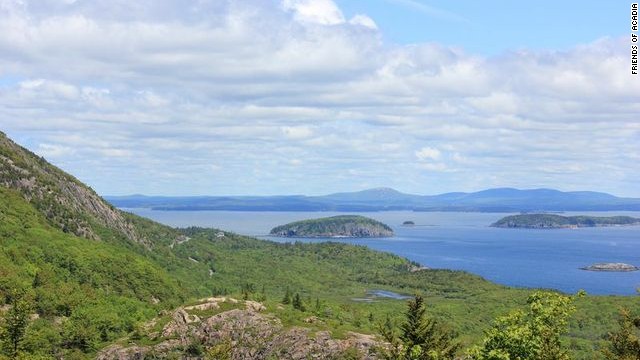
point(263, 97)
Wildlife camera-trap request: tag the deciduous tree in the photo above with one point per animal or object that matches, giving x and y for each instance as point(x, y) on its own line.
point(15, 323)
point(533, 334)
point(624, 343)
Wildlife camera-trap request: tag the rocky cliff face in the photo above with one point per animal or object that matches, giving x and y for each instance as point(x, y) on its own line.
point(61, 198)
point(242, 333)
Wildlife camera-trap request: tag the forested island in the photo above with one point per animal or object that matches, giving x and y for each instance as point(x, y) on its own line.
point(552, 221)
point(335, 226)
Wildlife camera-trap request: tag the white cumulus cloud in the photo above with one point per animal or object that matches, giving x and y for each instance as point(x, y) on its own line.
point(428, 153)
point(324, 12)
point(363, 20)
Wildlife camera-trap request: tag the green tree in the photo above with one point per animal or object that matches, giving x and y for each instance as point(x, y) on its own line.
point(318, 307)
point(15, 323)
point(393, 350)
point(41, 338)
point(414, 326)
point(421, 337)
point(286, 300)
point(297, 303)
point(79, 332)
point(624, 344)
point(262, 297)
point(247, 289)
point(529, 335)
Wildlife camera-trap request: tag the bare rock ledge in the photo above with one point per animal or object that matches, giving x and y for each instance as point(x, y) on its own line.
point(621, 267)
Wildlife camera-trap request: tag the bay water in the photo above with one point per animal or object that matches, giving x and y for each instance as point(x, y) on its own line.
point(534, 258)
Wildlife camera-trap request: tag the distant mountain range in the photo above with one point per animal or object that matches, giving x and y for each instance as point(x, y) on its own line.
point(381, 199)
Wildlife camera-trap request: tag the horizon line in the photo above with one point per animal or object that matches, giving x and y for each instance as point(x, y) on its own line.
point(367, 189)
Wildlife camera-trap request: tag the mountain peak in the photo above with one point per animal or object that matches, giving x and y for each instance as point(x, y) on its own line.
point(374, 194)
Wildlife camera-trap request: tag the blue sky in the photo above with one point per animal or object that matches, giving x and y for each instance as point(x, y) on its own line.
point(229, 97)
point(494, 26)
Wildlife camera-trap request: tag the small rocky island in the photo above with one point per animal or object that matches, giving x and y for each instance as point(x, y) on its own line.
point(552, 221)
point(352, 226)
point(611, 267)
point(408, 223)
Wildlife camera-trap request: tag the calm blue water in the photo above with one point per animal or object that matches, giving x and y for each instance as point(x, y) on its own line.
point(464, 241)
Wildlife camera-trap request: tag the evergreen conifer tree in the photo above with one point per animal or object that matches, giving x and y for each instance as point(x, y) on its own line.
point(421, 337)
point(286, 300)
point(297, 302)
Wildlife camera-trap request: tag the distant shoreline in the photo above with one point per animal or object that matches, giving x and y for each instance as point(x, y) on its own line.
point(497, 200)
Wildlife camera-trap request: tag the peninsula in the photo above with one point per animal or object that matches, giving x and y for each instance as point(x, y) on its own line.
point(336, 226)
point(552, 221)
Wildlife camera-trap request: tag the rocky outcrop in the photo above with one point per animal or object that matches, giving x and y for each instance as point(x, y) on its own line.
point(416, 268)
point(179, 325)
point(244, 333)
point(620, 267)
point(254, 306)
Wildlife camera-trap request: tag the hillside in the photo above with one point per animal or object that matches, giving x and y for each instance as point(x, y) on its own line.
point(335, 226)
point(92, 274)
point(552, 221)
point(84, 292)
point(67, 203)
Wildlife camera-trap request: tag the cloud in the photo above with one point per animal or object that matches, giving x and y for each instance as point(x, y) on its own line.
point(111, 153)
point(143, 96)
point(363, 20)
point(43, 87)
point(438, 167)
point(296, 133)
point(324, 12)
point(53, 151)
point(428, 153)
